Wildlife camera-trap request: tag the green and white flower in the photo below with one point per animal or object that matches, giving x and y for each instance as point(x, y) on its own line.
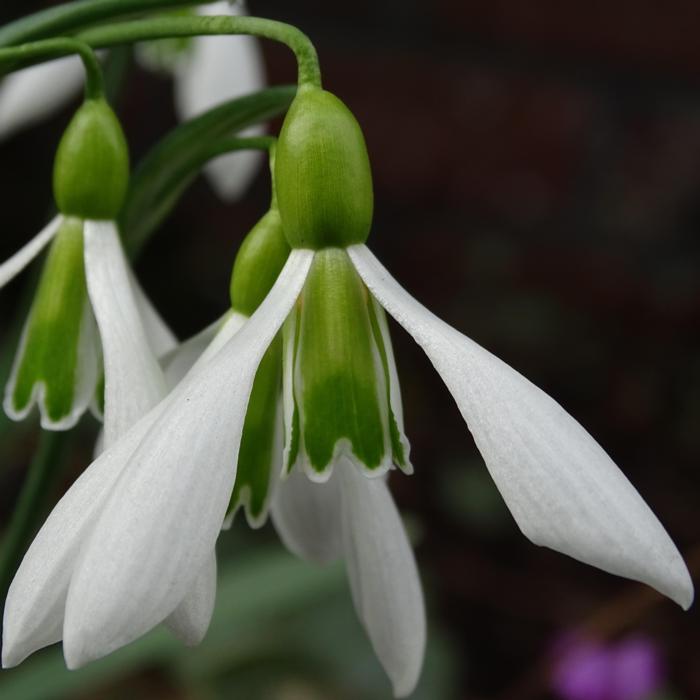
point(207, 71)
point(85, 280)
point(145, 516)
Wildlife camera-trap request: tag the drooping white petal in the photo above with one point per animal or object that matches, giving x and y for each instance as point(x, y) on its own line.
point(178, 362)
point(564, 491)
point(306, 515)
point(31, 94)
point(35, 603)
point(190, 620)
point(219, 69)
point(383, 576)
point(160, 337)
point(14, 265)
point(163, 517)
point(134, 381)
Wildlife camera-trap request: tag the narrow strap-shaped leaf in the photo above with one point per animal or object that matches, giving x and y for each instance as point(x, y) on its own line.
point(170, 166)
point(72, 16)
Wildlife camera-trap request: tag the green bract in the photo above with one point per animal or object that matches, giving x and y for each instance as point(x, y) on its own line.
point(55, 358)
point(322, 174)
point(258, 263)
point(337, 373)
point(91, 170)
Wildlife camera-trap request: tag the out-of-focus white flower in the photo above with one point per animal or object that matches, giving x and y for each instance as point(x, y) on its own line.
point(207, 71)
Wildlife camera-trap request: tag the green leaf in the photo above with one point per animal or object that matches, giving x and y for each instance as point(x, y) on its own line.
point(175, 161)
point(72, 16)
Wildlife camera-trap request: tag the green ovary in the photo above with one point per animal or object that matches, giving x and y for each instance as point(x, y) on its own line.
point(51, 340)
point(339, 386)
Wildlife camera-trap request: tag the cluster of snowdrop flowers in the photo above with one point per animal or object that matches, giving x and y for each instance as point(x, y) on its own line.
point(206, 72)
point(289, 405)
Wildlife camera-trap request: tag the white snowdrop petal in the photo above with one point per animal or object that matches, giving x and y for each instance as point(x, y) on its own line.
point(35, 603)
point(14, 265)
point(383, 576)
point(178, 362)
point(160, 337)
point(190, 620)
point(134, 381)
point(306, 517)
point(163, 517)
point(219, 69)
point(564, 491)
point(31, 94)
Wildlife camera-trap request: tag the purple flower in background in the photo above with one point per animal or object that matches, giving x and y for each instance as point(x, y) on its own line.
point(587, 669)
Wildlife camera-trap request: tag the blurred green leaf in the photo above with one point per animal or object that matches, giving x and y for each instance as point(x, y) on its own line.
point(170, 166)
point(253, 592)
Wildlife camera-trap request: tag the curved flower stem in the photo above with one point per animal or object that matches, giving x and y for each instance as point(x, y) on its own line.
point(73, 16)
point(31, 503)
point(168, 27)
point(47, 49)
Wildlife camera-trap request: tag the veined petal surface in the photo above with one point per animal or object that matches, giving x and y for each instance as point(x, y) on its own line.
point(219, 69)
point(14, 265)
point(162, 519)
point(383, 576)
point(31, 94)
point(563, 490)
point(190, 620)
point(306, 516)
point(35, 603)
point(178, 362)
point(134, 381)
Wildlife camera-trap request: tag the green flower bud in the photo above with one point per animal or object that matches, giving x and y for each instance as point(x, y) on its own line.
point(259, 261)
point(91, 170)
point(322, 174)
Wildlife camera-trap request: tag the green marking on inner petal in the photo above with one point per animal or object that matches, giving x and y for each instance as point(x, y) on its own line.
point(397, 448)
point(52, 334)
point(291, 335)
point(256, 456)
point(336, 369)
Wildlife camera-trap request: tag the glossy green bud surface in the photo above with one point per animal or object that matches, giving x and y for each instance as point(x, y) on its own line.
point(322, 174)
point(91, 170)
point(259, 261)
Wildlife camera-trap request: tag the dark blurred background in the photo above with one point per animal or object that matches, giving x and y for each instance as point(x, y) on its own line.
point(537, 178)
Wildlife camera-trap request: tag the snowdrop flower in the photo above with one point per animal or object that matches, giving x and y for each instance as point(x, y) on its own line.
point(38, 610)
point(85, 278)
point(207, 71)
